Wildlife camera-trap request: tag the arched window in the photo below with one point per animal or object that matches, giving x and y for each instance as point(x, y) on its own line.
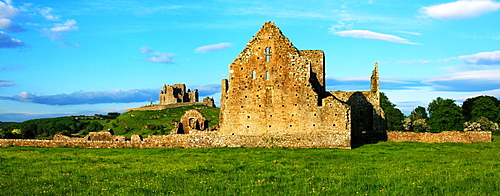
point(253, 74)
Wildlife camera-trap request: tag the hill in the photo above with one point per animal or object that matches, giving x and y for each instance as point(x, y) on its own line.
point(134, 122)
point(156, 122)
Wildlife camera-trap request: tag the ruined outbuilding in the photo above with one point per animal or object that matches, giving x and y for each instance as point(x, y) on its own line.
point(191, 122)
point(276, 89)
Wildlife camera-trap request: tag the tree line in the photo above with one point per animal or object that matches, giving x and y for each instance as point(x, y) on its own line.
point(47, 127)
point(481, 113)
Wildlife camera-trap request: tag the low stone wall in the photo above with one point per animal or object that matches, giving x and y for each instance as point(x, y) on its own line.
point(199, 141)
point(445, 136)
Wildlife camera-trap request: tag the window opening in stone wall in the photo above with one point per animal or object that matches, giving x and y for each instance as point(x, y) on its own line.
point(253, 74)
point(267, 75)
point(268, 58)
point(268, 50)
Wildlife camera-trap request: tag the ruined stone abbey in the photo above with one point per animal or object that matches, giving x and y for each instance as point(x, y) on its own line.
point(275, 89)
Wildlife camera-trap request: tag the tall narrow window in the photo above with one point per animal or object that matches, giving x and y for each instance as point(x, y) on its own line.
point(253, 74)
point(267, 75)
point(268, 54)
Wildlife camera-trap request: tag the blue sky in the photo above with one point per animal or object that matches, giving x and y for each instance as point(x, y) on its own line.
point(86, 57)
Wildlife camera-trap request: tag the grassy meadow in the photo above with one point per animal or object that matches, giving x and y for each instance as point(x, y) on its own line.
point(385, 168)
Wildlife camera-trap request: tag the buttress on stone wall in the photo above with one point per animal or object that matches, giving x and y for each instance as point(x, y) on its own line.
point(274, 88)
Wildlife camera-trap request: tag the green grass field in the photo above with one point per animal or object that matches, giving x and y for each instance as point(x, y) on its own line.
point(385, 168)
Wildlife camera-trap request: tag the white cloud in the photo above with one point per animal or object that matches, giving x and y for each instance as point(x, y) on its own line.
point(4, 23)
point(7, 10)
point(495, 93)
point(341, 24)
point(212, 48)
point(482, 58)
point(4, 83)
point(463, 9)
point(408, 32)
point(69, 25)
point(365, 34)
point(482, 80)
point(46, 14)
point(157, 57)
point(57, 32)
point(146, 50)
point(414, 61)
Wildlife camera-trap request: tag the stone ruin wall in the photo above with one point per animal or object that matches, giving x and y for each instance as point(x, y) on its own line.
point(210, 140)
point(445, 136)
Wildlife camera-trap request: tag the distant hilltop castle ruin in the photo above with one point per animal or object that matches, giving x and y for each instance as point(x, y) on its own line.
point(176, 96)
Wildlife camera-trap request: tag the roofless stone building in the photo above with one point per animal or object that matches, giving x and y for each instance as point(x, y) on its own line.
point(276, 89)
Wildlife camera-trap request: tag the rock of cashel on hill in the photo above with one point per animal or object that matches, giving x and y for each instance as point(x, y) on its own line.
point(276, 89)
point(176, 96)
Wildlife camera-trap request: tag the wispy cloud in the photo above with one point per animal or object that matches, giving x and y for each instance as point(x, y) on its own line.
point(408, 32)
point(156, 57)
point(212, 48)
point(57, 32)
point(7, 41)
point(414, 61)
point(482, 58)
point(363, 83)
point(99, 97)
point(365, 34)
point(495, 93)
point(482, 80)
point(45, 12)
point(462, 9)
point(87, 97)
point(4, 83)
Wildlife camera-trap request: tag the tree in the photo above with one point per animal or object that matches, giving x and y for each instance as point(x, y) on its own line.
point(481, 106)
point(28, 131)
point(418, 113)
point(445, 115)
point(393, 115)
